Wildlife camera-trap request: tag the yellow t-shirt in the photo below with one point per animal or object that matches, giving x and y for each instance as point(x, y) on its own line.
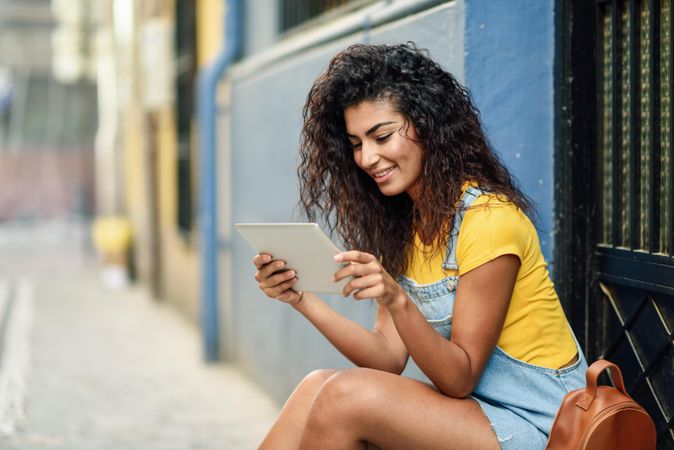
point(535, 330)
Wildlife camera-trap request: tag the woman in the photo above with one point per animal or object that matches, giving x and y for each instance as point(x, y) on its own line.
point(394, 159)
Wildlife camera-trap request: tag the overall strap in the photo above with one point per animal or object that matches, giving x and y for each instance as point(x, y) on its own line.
point(467, 199)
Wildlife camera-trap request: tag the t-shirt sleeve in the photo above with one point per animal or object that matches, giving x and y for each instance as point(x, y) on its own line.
point(491, 228)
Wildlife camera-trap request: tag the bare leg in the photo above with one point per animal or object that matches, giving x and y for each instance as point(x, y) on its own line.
point(360, 406)
point(286, 432)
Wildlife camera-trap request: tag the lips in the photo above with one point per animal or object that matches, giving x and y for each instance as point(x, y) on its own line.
point(382, 175)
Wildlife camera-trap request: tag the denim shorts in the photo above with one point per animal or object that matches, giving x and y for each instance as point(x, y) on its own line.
point(521, 400)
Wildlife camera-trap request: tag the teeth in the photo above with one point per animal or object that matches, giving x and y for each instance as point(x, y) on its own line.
point(381, 174)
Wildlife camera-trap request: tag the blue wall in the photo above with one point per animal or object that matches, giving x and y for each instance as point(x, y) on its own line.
point(509, 71)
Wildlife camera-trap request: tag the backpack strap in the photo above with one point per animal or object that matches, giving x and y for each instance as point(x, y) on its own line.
point(592, 375)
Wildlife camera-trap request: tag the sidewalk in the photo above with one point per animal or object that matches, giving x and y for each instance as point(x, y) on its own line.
point(118, 370)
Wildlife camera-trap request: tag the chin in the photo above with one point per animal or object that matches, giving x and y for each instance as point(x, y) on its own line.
point(390, 191)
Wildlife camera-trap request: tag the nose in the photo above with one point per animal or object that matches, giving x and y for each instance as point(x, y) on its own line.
point(369, 155)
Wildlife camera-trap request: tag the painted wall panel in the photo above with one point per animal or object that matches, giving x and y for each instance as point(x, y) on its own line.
point(509, 71)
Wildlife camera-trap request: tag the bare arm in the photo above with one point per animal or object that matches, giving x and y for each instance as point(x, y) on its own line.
point(480, 308)
point(380, 348)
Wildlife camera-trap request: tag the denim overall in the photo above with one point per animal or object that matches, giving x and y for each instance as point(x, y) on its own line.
point(519, 399)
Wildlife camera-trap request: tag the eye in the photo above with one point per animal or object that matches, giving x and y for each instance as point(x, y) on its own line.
point(356, 145)
point(384, 138)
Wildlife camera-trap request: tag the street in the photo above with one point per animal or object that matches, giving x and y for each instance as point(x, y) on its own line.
point(106, 370)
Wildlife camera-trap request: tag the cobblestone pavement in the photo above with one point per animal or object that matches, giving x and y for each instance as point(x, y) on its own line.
point(113, 370)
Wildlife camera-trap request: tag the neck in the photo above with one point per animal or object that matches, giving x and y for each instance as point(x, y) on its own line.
point(413, 193)
point(421, 228)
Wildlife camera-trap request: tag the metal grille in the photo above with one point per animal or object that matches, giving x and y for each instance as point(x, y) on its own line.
point(634, 154)
point(635, 251)
point(667, 229)
point(606, 124)
point(638, 337)
point(297, 12)
point(622, 153)
point(645, 124)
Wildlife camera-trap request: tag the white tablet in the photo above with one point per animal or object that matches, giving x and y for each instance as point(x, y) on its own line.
point(305, 249)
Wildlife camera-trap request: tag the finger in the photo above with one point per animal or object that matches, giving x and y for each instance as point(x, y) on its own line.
point(279, 289)
point(356, 270)
point(277, 279)
point(268, 269)
point(354, 256)
point(264, 273)
point(261, 259)
point(362, 283)
point(372, 292)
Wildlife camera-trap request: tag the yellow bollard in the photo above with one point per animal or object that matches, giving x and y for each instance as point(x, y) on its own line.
point(112, 239)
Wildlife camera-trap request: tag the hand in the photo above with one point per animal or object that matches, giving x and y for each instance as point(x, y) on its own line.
point(274, 281)
point(370, 279)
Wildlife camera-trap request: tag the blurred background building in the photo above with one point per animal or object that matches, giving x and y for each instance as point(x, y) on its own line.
point(187, 114)
point(47, 121)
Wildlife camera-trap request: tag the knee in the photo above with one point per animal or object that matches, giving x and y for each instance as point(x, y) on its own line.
point(311, 384)
point(345, 395)
point(314, 380)
point(343, 386)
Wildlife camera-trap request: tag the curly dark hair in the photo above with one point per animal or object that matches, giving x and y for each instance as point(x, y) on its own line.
point(454, 150)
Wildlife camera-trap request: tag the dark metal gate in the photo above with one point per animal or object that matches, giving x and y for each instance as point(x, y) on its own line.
point(615, 178)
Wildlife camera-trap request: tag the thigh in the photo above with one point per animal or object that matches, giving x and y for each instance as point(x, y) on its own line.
point(396, 412)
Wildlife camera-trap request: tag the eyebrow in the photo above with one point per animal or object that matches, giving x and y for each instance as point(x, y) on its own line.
point(372, 129)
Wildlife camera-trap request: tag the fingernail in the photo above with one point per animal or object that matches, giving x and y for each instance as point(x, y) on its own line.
point(338, 257)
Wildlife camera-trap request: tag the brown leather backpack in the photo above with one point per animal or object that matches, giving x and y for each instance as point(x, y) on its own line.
point(601, 417)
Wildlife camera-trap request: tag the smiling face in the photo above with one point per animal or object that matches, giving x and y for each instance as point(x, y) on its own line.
point(384, 145)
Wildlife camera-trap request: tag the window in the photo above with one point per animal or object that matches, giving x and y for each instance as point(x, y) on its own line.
point(296, 12)
point(185, 79)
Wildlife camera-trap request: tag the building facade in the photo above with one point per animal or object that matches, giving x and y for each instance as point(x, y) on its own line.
point(47, 122)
